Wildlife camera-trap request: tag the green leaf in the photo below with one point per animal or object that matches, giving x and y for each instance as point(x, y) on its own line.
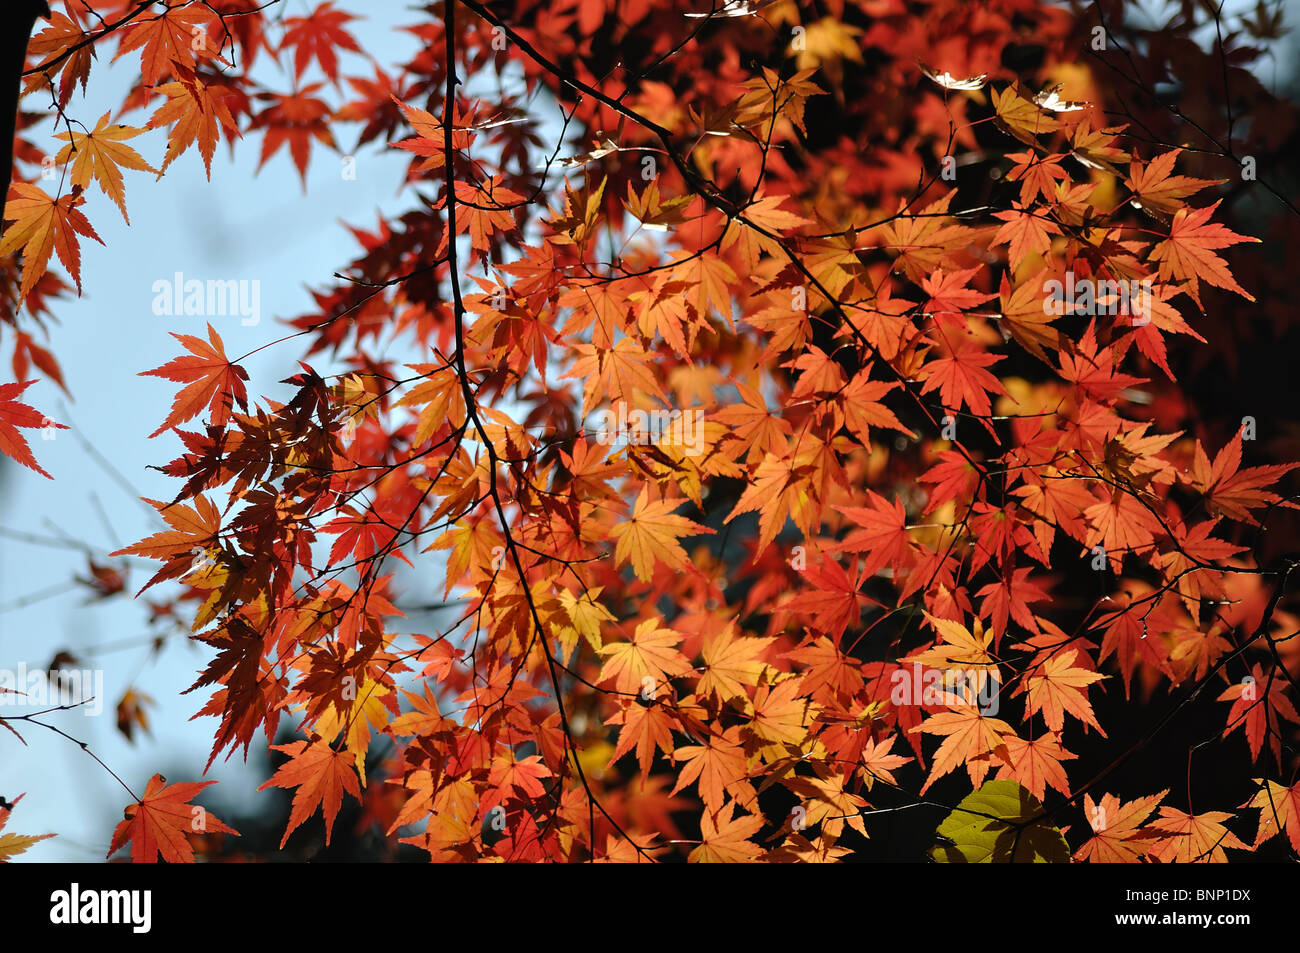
point(993, 826)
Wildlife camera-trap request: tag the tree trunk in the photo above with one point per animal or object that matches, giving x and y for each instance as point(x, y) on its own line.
point(16, 24)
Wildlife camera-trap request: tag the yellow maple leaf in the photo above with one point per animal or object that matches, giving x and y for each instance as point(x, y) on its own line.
point(651, 535)
point(101, 155)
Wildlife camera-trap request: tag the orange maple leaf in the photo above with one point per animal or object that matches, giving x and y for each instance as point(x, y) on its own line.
point(647, 727)
point(649, 654)
point(651, 536)
point(321, 775)
point(725, 839)
point(42, 225)
point(1193, 838)
point(213, 381)
point(718, 765)
point(101, 155)
point(961, 378)
point(1258, 701)
point(1155, 189)
point(11, 845)
point(1117, 835)
point(1035, 763)
point(1188, 253)
point(158, 824)
point(195, 111)
point(1279, 810)
point(969, 738)
point(1062, 688)
point(167, 39)
point(1229, 490)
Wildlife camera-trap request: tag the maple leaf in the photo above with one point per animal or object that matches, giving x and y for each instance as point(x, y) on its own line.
point(1121, 523)
point(1009, 598)
point(1026, 231)
point(11, 845)
point(1062, 688)
point(294, 120)
point(862, 409)
point(621, 372)
point(1118, 837)
point(196, 111)
point(649, 654)
point(483, 210)
point(1158, 191)
point(779, 490)
point(654, 214)
point(1279, 811)
point(1036, 174)
point(827, 804)
point(756, 428)
point(717, 766)
point(881, 532)
point(28, 352)
point(647, 728)
point(782, 714)
point(1035, 763)
point(731, 662)
point(439, 395)
point(961, 648)
point(585, 617)
point(517, 777)
point(1182, 566)
point(158, 824)
point(1001, 822)
point(766, 213)
point(833, 601)
point(954, 476)
point(42, 225)
point(101, 155)
point(1193, 838)
point(725, 838)
point(1095, 148)
point(1188, 253)
point(879, 763)
point(57, 42)
point(186, 545)
point(1023, 318)
point(650, 536)
point(970, 738)
point(321, 775)
point(213, 382)
point(1018, 115)
point(316, 36)
point(961, 378)
point(424, 720)
point(828, 667)
point(1259, 703)
point(1229, 490)
point(13, 415)
point(948, 81)
point(166, 40)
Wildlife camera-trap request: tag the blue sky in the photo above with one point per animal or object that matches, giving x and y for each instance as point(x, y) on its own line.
point(241, 225)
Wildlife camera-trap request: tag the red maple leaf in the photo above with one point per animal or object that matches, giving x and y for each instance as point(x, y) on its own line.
point(213, 381)
point(159, 824)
